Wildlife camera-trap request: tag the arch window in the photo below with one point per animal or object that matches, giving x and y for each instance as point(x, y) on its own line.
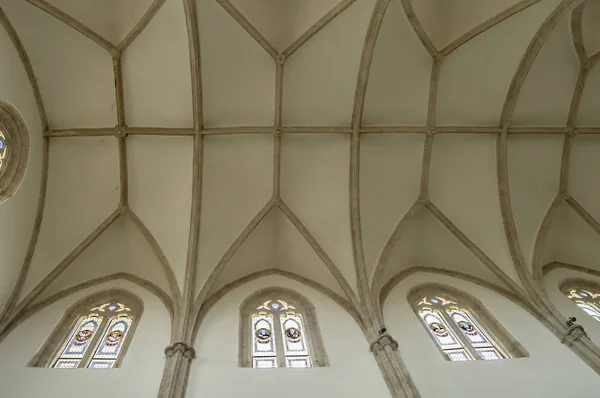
point(461, 328)
point(279, 330)
point(584, 294)
point(95, 333)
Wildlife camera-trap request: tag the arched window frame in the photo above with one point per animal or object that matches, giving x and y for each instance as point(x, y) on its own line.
point(301, 307)
point(450, 299)
point(584, 293)
point(128, 308)
point(14, 150)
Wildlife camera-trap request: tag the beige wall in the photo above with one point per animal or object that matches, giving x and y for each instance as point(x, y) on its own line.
point(17, 213)
point(215, 373)
point(140, 372)
point(551, 370)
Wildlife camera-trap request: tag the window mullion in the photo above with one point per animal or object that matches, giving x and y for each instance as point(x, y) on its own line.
point(278, 336)
point(459, 335)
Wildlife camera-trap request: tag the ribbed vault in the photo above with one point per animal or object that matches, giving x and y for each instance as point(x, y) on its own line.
point(194, 142)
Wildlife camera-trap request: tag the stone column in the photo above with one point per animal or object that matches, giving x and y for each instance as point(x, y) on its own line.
point(577, 340)
point(395, 373)
point(179, 357)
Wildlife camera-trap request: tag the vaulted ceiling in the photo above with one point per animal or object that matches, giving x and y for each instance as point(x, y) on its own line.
point(341, 141)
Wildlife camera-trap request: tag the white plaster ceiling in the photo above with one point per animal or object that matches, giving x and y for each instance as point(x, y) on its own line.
point(245, 226)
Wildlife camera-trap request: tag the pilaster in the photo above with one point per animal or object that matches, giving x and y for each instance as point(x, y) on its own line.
point(395, 373)
point(179, 356)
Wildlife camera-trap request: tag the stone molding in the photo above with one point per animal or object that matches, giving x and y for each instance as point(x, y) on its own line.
point(383, 341)
point(574, 334)
point(182, 348)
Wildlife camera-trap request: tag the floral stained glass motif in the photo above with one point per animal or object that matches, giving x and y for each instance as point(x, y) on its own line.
point(3, 149)
point(78, 342)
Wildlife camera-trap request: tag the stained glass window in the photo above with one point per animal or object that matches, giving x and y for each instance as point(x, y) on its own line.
point(97, 339)
point(455, 330)
point(278, 338)
point(79, 341)
point(585, 298)
point(3, 149)
point(279, 330)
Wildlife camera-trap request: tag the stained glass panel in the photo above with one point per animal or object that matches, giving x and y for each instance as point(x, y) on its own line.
point(439, 330)
point(265, 363)
point(263, 340)
point(458, 355)
point(67, 363)
point(489, 354)
point(293, 335)
point(298, 362)
point(101, 364)
point(113, 338)
point(80, 338)
point(469, 328)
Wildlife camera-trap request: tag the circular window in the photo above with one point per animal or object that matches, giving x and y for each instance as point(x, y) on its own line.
point(14, 150)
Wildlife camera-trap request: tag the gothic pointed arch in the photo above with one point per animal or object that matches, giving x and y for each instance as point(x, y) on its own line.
point(93, 333)
point(279, 328)
point(460, 326)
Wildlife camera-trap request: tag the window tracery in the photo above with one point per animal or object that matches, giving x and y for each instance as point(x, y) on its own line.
point(279, 329)
point(584, 294)
point(455, 324)
point(94, 333)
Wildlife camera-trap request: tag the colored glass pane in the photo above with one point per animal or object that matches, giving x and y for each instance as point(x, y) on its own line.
point(475, 335)
point(113, 338)
point(80, 338)
point(67, 363)
point(458, 355)
point(263, 341)
point(265, 363)
point(489, 354)
point(101, 364)
point(298, 362)
point(439, 330)
point(3, 149)
point(293, 336)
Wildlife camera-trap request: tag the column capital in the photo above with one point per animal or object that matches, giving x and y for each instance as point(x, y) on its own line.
point(182, 348)
point(383, 341)
point(574, 334)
